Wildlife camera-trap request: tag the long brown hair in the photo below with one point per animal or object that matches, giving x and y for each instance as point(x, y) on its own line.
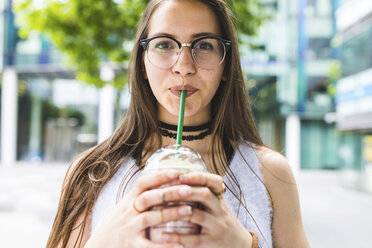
point(138, 135)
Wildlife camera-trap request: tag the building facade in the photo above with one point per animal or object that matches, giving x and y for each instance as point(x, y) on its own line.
point(44, 116)
point(289, 78)
point(354, 92)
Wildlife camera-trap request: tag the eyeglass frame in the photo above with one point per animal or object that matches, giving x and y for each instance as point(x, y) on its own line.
point(144, 44)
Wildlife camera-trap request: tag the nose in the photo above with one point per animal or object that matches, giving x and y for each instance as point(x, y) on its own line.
point(185, 64)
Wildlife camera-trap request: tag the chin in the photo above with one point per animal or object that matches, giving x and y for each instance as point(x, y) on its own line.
point(174, 112)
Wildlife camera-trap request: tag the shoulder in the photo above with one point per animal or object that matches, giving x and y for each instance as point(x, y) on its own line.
point(75, 164)
point(274, 165)
point(277, 175)
point(280, 182)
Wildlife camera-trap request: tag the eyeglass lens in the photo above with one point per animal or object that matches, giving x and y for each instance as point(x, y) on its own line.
point(207, 53)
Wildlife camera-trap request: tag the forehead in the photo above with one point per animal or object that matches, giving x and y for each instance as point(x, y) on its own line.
point(183, 19)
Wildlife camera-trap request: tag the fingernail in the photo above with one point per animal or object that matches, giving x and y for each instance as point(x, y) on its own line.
point(184, 191)
point(178, 246)
point(184, 177)
point(165, 237)
point(184, 211)
point(172, 174)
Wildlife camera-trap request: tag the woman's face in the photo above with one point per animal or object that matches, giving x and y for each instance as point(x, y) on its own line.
point(184, 21)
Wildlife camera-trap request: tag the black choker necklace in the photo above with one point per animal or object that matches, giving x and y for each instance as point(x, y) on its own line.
point(165, 128)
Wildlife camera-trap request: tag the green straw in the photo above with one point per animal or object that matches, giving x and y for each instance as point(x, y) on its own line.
point(180, 118)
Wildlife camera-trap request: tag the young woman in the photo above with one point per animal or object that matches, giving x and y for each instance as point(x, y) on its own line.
point(182, 45)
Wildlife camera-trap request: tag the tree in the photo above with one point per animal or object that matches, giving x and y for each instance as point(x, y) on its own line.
point(90, 32)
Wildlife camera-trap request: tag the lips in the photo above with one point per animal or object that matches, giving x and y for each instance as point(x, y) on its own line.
point(177, 90)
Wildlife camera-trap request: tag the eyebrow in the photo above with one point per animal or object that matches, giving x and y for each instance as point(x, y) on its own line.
point(196, 35)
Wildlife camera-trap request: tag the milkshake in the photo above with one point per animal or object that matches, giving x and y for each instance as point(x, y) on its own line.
point(184, 160)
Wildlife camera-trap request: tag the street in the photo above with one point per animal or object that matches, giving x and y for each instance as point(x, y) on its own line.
point(334, 216)
point(29, 193)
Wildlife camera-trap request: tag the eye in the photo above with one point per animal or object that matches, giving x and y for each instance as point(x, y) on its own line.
point(163, 45)
point(204, 45)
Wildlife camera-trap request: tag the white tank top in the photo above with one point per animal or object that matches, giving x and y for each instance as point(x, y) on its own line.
point(255, 195)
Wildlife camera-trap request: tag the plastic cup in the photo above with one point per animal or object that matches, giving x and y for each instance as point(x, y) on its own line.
point(184, 160)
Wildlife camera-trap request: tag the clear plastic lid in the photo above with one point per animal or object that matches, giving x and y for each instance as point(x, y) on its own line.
point(183, 159)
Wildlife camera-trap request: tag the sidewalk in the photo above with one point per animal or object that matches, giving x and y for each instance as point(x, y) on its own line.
point(29, 193)
point(334, 216)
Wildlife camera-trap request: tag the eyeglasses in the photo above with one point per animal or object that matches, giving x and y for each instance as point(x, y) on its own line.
point(163, 51)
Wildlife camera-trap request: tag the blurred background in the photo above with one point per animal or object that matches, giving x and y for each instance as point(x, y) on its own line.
point(308, 67)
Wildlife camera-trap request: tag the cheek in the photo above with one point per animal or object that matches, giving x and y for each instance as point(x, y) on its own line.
point(215, 79)
point(145, 66)
point(149, 73)
point(155, 79)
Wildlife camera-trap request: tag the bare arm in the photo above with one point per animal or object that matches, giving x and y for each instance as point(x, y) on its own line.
point(77, 229)
point(287, 224)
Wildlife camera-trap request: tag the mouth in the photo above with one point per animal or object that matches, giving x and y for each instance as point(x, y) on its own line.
point(177, 90)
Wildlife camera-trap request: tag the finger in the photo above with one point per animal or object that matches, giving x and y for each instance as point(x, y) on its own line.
point(179, 193)
point(188, 194)
point(155, 197)
point(193, 240)
point(212, 181)
point(204, 196)
point(153, 180)
point(148, 244)
point(203, 219)
point(159, 216)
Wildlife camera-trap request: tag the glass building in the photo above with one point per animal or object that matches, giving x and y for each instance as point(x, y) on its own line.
point(289, 80)
point(45, 116)
point(354, 92)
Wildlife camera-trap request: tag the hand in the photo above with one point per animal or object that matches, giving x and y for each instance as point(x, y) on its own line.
point(220, 227)
point(126, 225)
